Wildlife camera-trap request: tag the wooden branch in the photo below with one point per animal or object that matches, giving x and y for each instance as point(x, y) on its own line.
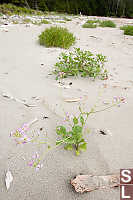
point(89, 183)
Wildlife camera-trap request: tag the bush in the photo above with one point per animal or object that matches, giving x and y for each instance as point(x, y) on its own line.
point(44, 21)
point(91, 24)
point(56, 37)
point(128, 30)
point(80, 62)
point(107, 23)
point(67, 19)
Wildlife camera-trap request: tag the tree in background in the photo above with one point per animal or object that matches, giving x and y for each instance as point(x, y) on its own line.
point(87, 7)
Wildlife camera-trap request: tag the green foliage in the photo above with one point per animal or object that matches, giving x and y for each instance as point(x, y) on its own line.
point(10, 9)
point(87, 7)
point(56, 37)
point(80, 62)
point(128, 30)
point(67, 19)
point(91, 24)
point(44, 21)
point(73, 138)
point(107, 23)
point(26, 21)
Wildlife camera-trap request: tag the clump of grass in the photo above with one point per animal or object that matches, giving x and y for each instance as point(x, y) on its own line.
point(57, 37)
point(15, 22)
point(41, 22)
point(26, 21)
point(10, 9)
point(82, 63)
point(67, 19)
point(91, 24)
point(128, 29)
point(44, 21)
point(59, 21)
point(107, 23)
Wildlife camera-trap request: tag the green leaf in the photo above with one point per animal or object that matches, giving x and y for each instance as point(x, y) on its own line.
point(68, 147)
point(83, 146)
point(59, 142)
point(75, 120)
point(77, 129)
point(61, 130)
point(70, 141)
point(82, 120)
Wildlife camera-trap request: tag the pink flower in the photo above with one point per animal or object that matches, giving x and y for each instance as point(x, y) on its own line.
point(31, 163)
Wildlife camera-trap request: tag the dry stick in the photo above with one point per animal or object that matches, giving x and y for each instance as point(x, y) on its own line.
point(89, 183)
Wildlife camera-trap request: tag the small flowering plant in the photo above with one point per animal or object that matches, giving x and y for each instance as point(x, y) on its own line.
point(74, 138)
point(20, 135)
point(36, 162)
point(82, 63)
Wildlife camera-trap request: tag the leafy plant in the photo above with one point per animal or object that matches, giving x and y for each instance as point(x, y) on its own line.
point(67, 19)
point(73, 138)
point(27, 21)
point(107, 23)
point(128, 29)
point(91, 24)
point(44, 21)
point(80, 62)
point(56, 37)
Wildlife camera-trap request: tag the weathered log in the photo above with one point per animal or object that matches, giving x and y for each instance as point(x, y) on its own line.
point(89, 183)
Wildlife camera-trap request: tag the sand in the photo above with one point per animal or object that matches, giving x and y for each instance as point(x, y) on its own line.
point(23, 76)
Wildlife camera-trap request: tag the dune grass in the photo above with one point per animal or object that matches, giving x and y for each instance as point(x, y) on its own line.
point(57, 37)
point(107, 23)
point(128, 29)
point(91, 24)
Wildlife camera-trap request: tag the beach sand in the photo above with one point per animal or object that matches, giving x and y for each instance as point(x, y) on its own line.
point(25, 73)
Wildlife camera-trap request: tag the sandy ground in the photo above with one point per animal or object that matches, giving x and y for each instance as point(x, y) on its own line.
point(22, 76)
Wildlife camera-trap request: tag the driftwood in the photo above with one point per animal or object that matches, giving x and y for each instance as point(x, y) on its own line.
point(89, 183)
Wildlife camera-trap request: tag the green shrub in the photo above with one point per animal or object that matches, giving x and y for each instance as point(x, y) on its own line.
point(26, 21)
point(80, 62)
point(107, 23)
point(91, 24)
point(67, 19)
point(56, 37)
point(128, 29)
point(44, 21)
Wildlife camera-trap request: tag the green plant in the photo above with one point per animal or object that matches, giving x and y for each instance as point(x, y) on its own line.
point(91, 24)
point(80, 62)
point(44, 21)
point(73, 139)
point(67, 19)
point(59, 21)
point(15, 22)
point(107, 23)
point(128, 29)
point(26, 21)
point(56, 37)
